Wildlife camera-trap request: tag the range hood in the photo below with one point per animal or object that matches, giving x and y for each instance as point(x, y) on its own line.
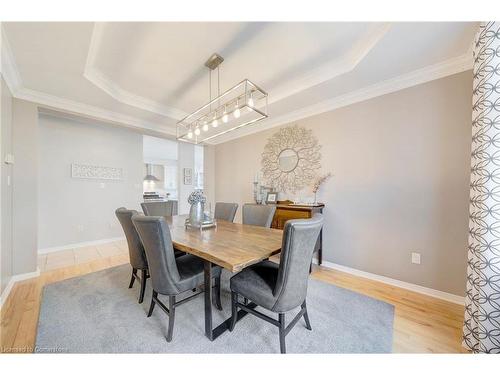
point(149, 175)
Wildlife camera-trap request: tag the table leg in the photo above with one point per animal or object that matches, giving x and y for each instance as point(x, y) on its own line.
point(208, 300)
point(320, 252)
point(211, 333)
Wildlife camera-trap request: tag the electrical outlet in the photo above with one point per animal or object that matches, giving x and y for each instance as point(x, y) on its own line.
point(415, 258)
point(102, 185)
point(80, 228)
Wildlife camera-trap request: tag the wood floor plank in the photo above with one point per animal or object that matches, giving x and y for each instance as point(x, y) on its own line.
point(422, 324)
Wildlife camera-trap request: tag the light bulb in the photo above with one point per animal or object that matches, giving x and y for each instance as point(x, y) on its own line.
point(205, 126)
point(215, 123)
point(236, 112)
point(197, 131)
point(190, 134)
point(225, 117)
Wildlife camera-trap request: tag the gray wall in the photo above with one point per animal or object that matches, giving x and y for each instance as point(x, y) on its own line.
point(401, 175)
point(5, 188)
point(77, 210)
point(25, 192)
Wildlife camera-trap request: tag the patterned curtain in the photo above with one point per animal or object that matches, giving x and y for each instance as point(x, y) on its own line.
point(482, 310)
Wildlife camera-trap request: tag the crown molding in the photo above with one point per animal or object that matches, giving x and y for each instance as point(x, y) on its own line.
point(8, 67)
point(74, 107)
point(443, 69)
point(327, 72)
point(449, 67)
point(103, 82)
point(341, 66)
point(13, 79)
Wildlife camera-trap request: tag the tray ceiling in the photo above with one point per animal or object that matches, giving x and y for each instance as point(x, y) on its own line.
point(148, 75)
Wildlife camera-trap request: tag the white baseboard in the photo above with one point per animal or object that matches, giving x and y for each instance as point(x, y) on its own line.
point(78, 244)
point(14, 279)
point(398, 283)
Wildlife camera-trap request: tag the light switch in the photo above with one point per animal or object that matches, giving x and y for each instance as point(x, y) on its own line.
point(9, 159)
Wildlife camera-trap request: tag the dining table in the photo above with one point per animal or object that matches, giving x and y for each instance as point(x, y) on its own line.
point(232, 246)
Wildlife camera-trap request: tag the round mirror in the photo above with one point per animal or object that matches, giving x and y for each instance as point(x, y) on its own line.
point(288, 160)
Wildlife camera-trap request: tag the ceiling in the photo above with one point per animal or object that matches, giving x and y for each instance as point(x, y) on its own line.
point(149, 75)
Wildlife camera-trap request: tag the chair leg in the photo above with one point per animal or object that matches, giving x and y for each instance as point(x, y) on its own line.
point(153, 303)
point(143, 285)
point(132, 278)
point(282, 327)
point(245, 301)
point(171, 317)
point(218, 302)
point(306, 317)
point(234, 310)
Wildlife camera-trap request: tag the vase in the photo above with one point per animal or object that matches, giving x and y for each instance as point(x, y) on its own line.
point(196, 213)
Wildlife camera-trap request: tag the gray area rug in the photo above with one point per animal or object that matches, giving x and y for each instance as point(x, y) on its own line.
point(97, 313)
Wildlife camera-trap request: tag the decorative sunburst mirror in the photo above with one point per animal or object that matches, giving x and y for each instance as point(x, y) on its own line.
point(291, 159)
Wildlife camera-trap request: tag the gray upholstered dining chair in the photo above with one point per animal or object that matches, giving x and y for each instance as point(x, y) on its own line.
point(258, 214)
point(168, 208)
point(225, 211)
point(170, 276)
point(280, 288)
point(136, 252)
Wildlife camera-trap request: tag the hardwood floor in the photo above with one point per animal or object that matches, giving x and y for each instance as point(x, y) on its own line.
point(422, 324)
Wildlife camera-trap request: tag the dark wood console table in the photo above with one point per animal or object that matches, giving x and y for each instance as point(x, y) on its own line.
point(286, 210)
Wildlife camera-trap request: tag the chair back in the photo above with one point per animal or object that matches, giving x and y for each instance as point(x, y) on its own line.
point(299, 241)
point(258, 214)
point(225, 211)
point(155, 236)
point(135, 248)
point(168, 208)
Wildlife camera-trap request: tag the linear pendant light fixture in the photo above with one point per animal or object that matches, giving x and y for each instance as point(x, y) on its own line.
point(243, 104)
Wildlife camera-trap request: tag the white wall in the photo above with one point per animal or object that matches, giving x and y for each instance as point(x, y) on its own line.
point(401, 166)
point(19, 136)
point(6, 187)
point(25, 138)
point(77, 210)
point(186, 160)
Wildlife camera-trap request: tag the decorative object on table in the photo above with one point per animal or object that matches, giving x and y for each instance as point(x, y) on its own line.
point(260, 191)
point(188, 176)
point(291, 159)
point(272, 197)
point(257, 196)
point(260, 197)
point(96, 172)
point(197, 216)
point(317, 184)
point(242, 105)
point(256, 193)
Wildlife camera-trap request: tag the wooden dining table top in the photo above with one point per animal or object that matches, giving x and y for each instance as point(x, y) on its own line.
point(232, 246)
